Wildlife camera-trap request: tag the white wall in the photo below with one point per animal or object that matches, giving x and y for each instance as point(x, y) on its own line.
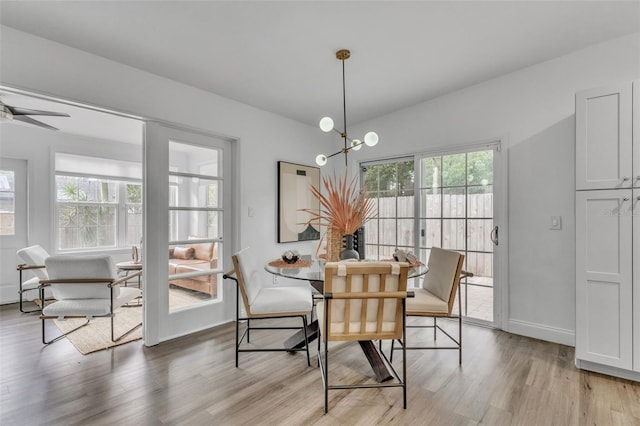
point(35, 64)
point(532, 111)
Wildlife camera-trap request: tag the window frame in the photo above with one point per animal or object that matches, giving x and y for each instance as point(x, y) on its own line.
point(121, 211)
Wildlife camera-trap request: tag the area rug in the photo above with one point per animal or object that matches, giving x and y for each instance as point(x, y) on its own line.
point(97, 335)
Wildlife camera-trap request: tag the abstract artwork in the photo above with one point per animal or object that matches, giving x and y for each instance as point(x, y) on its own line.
point(294, 194)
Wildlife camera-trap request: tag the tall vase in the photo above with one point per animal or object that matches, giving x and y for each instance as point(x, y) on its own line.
point(348, 252)
point(334, 245)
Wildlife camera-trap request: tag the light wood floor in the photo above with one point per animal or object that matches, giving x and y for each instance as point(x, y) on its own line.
point(505, 380)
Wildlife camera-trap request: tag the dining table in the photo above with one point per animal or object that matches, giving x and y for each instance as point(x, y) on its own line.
point(312, 270)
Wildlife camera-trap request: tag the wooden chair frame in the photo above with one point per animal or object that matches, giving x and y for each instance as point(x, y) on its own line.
point(109, 282)
point(457, 343)
point(364, 296)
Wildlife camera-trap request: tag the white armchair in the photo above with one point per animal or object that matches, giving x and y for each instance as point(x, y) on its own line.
point(85, 287)
point(33, 258)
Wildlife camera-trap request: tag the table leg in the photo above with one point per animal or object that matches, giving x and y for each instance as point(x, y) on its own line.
point(375, 360)
point(297, 340)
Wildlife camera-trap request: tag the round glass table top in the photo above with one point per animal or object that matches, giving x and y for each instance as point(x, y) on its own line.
point(315, 271)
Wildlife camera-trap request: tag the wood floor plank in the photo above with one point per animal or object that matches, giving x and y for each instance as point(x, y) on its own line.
point(505, 379)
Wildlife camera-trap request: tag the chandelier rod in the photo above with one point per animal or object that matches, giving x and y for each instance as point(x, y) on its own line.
point(344, 114)
point(327, 125)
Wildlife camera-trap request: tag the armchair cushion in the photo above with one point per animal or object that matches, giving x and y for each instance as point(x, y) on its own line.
point(78, 267)
point(425, 301)
point(252, 280)
point(31, 283)
point(442, 273)
point(90, 307)
point(35, 256)
point(282, 299)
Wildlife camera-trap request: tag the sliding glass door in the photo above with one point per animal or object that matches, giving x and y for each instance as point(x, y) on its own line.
point(456, 202)
point(439, 200)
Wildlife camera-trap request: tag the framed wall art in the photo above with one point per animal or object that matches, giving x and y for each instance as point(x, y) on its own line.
point(294, 194)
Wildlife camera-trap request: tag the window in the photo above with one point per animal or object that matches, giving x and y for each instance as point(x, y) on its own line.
point(391, 184)
point(7, 202)
point(98, 204)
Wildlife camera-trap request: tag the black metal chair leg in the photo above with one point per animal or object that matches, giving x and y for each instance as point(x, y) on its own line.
point(62, 336)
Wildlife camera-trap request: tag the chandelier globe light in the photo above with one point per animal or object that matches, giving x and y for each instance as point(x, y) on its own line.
point(327, 124)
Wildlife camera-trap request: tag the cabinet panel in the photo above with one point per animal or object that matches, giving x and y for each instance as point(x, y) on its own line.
point(636, 279)
point(636, 137)
point(604, 310)
point(604, 138)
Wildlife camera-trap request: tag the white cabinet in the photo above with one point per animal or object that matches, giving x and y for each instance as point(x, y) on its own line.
point(636, 279)
point(608, 230)
point(604, 308)
point(604, 138)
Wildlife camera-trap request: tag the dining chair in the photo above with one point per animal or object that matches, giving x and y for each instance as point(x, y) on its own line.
point(264, 301)
point(33, 258)
point(85, 287)
point(436, 298)
point(363, 301)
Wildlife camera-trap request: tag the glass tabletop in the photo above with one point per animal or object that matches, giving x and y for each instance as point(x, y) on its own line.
point(315, 271)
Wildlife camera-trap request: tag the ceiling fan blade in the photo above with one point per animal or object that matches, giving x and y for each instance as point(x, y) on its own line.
point(27, 119)
point(26, 111)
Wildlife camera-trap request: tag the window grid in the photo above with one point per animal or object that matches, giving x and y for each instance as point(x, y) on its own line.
point(97, 213)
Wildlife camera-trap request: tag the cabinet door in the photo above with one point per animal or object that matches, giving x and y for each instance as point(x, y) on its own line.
point(636, 138)
point(636, 279)
point(603, 138)
point(603, 278)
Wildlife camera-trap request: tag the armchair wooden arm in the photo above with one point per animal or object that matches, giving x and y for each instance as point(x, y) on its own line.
point(24, 267)
point(109, 281)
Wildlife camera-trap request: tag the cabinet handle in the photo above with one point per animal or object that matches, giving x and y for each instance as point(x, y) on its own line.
point(626, 199)
point(626, 178)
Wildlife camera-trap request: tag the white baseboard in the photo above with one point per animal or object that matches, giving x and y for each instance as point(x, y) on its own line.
point(542, 332)
point(609, 371)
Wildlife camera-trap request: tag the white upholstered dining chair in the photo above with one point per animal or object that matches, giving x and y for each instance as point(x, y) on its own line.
point(261, 301)
point(85, 287)
point(436, 298)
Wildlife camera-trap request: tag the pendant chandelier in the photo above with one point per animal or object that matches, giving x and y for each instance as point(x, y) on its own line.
point(326, 124)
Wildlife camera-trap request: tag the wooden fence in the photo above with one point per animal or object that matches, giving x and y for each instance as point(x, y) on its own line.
point(442, 219)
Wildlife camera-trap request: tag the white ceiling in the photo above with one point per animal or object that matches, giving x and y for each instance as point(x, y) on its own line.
point(280, 56)
point(82, 121)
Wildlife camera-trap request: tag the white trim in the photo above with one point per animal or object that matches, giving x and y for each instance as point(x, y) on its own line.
point(501, 217)
point(88, 165)
point(542, 332)
point(605, 369)
point(494, 143)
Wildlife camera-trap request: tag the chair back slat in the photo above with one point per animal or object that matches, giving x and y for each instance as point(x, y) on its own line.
point(365, 303)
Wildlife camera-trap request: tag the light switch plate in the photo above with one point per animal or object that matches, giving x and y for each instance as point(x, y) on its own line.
point(555, 223)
